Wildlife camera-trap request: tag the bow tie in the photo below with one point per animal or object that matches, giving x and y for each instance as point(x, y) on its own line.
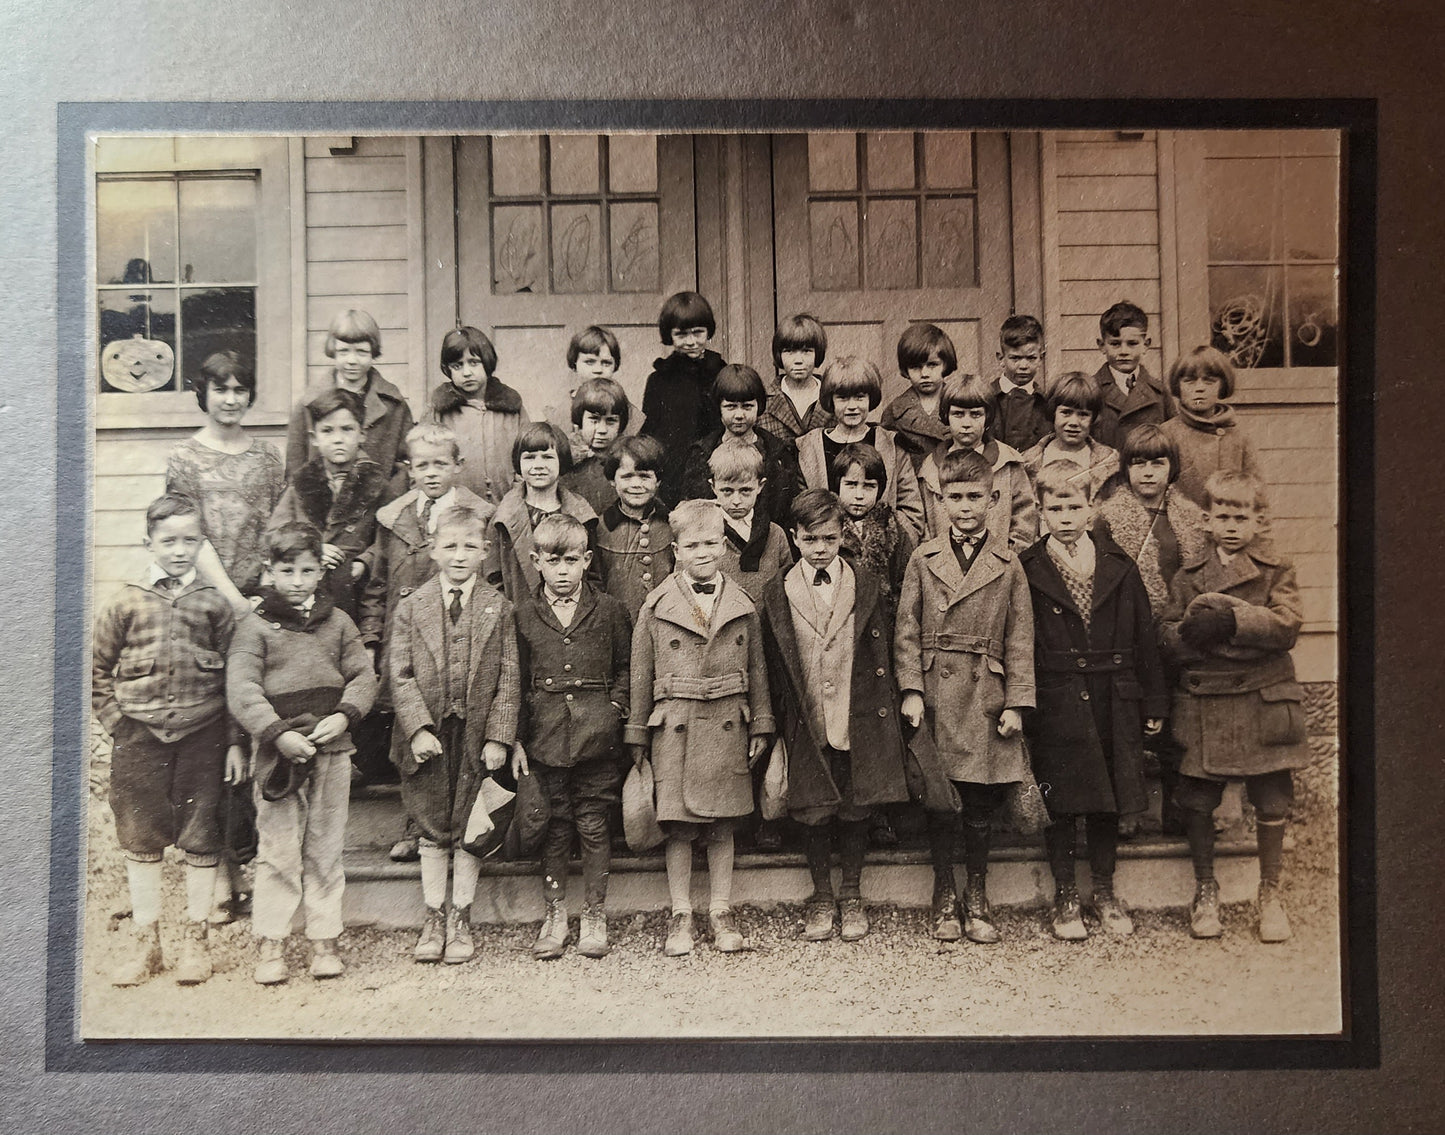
point(704, 588)
point(969, 542)
point(822, 577)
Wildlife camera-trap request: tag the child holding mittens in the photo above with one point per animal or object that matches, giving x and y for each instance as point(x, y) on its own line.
point(1204, 427)
point(483, 411)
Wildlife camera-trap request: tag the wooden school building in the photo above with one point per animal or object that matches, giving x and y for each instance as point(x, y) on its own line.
point(207, 242)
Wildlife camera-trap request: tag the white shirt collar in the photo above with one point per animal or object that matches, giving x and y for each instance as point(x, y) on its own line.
point(804, 401)
point(155, 573)
point(438, 506)
point(1080, 559)
point(1122, 380)
point(306, 607)
point(1006, 386)
point(561, 600)
point(1226, 558)
point(744, 526)
point(448, 587)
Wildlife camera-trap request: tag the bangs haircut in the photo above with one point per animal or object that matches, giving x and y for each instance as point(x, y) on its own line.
point(1062, 479)
point(438, 437)
point(353, 326)
point(332, 400)
point(735, 461)
point(647, 455)
point(537, 437)
point(682, 310)
point(965, 466)
point(738, 382)
point(558, 534)
point(1203, 362)
point(694, 516)
point(1078, 391)
point(168, 505)
point(921, 340)
point(969, 392)
point(1229, 486)
point(460, 516)
point(1121, 315)
point(868, 460)
point(464, 341)
point(848, 376)
point(1149, 443)
point(813, 508)
point(593, 341)
point(1020, 331)
point(801, 332)
point(601, 396)
point(288, 542)
point(218, 369)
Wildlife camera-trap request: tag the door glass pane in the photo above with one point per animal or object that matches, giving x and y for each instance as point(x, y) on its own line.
point(218, 230)
point(832, 162)
point(833, 241)
point(1311, 196)
point(1313, 322)
point(516, 165)
point(632, 163)
point(890, 161)
point(948, 160)
point(576, 248)
point(634, 246)
point(950, 257)
point(892, 243)
point(573, 166)
point(1244, 315)
point(518, 261)
point(216, 319)
point(1243, 203)
point(135, 229)
point(137, 340)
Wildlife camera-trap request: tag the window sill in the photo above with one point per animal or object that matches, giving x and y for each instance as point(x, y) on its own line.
point(176, 420)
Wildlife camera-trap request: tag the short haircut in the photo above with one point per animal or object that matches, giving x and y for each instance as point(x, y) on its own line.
point(1020, 331)
point(1230, 486)
point(1061, 479)
point(538, 436)
point(560, 532)
point(682, 310)
point(1148, 443)
point(919, 341)
point(969, 392)
point(964, 466)
point(738, 382)
point(1121, 315)
point(735, 461)
point(813, 508)
point(218, 369)
point(1078, 391)
point(332, 400)
point(168, 505)
point(647, 453)
point(866, 458)
point(691, 515)
point(850, 375)
point(801, 332)
point(286, 542)
point(1202, 362)
point(462, 341)
point(593, 341)
point(438, 437)
point(353, 326)
point(462, 516)
point(601, 396)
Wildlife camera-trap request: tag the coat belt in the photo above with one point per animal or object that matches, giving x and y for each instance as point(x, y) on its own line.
point(699, 689)
point(968, 643)
point(558, 685)
point(1083, 661)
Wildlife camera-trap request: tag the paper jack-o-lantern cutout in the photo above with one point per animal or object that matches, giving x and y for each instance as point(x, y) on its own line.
point(136, 365)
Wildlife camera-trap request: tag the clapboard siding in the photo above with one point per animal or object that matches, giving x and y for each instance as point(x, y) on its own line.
point(1094, 297)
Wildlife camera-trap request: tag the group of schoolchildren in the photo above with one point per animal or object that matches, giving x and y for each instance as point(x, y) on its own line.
point(994, 586)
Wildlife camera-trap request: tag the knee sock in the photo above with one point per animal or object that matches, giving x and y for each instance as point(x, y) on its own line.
point(200, 890)
point(466, 869)
point(977, 835)
point(720, 870)
point(678, 856)
point(1102, 828)
point(1059, 842)
point(1271, 849)
point(854, 843)
point(434, 862)
point(941, 844)
point(145, 891)
point(1199, 827)
point(816, 846)
point(223, 891)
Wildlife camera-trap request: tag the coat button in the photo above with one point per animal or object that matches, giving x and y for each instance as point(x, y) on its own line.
point(549, 681)
point(975, 675)
point(679, 728)
point(943, 606)
point(1118, 660)
point(741, 640)
point(647, 577)
point(647, 559)
point(727, 725)
point(578, 683)
point(1058, 610)
point(882, 713)
point(875, 635)
point(879, 671)
point(566, 642)
point(644, 529)
point(567, 666)
point(1084, 695)
point(675, 644)
point(569, 697)
point(1083, 662)
point(947, 673)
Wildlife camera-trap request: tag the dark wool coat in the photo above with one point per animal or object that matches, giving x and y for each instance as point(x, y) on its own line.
point(347, 520)
point(633, 556)
point(678, 405)
point(1238, 710)
point(383, 433)
point(1147, 404)
point(780, 468)
point(753, 562)
point(515, 574)
point(1020, 418)
point(576, 688)
point(883, 545)
point(873, 720)
point(902, 493)
point(589, 482)
point(918, 432)
point(1095, 687)
point(698, 697)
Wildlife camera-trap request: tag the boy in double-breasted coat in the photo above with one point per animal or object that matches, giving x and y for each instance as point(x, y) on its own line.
point(964, 653)
point(700, 709)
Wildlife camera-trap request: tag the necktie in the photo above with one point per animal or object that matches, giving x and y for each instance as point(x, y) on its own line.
point(455, 610)
point(1129, 383)
point(822, 577)
point(426, 515)
point(704, 588)
point(170, 584)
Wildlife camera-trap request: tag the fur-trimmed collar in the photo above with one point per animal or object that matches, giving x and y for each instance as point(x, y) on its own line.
point(497, 396)
point(1131, 525)
point(613, 517)
point(364, 485)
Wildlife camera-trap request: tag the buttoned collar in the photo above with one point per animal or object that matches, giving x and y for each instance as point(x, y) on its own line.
point(155, 573)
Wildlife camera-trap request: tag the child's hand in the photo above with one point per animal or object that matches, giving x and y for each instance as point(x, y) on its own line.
point(295, 747)
point(425, 745)
point(332, 556)
point(913, 708)
point(1010, 723)
point(1153, 726)
point(494, 755)
point(520, 767)
point(330, 727)
point(237, 770)
point(357, 569)
point(757, 747)
point(638, 753)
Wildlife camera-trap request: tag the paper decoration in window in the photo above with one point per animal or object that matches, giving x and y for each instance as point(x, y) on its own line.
point(1312, 316)
point(518, 261)
point(576, 248)
point(950, 252)
point(634, 253)
point(137, 365)
point(1244, 315)
point(833, 241)
point(892, 227)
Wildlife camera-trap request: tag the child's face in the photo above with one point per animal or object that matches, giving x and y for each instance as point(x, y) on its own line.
point(1021, 364)
point(468, 374)
point(635, 487)
point(562, 571)
point(1149, 477)
point(966, 425)
point(851, 410)
point(596, 364)
point(540, 468)
point(433, 469)
point(690, 341)
point(352, 361)
point(1232, 525)
point(928, 378)
point(1124, 350)
point(739, 417)
point(966, 503)
point(175, 542)
point(295, 580)
point(698, 550)
point(337, 438)
point(819, 546)
point(227, 402)
point(458, 551)
point(857, 491)
point(1068, 516)
point(798, 363)
point(599, 431)
point(738, 497)
point(1199, 393)
point(1071, 425)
